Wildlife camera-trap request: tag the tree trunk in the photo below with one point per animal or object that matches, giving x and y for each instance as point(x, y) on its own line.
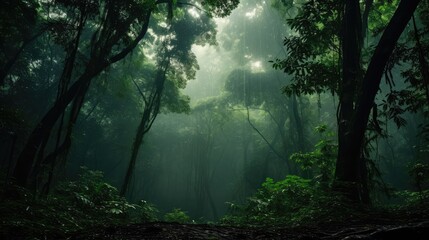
point(350, 165)
point(298, 124)
point(63, 84)
point(365, 17)
point(347, 175)
point(372, 79)
point(63, 149)
point(98, 62)
point(135, 151)
point(423, 64)
point(26, 158)
point(150, 113)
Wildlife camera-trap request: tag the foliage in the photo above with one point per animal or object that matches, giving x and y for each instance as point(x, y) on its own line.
point(313, 48)
point(101, 200)
point(415, 201)
point(177, 215)
point(322, 160)
point(220, 8)
point(325, 56)
point(411, 56)
point(291, 201)
point(411, 203)
point(81, 40)
point(412, 198)
point(75, 205)
point(420, 174)
point(253, 89)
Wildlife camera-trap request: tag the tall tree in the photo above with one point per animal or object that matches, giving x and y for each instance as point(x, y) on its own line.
point(310, 62)
point(176, 65)
point(350, 162)
point(112, 31)
point(116, 29)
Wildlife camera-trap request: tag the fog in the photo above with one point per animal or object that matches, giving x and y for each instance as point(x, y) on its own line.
point(214, 155)
point(224, 125)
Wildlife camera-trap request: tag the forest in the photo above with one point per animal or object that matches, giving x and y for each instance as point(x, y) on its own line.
point(214, 119)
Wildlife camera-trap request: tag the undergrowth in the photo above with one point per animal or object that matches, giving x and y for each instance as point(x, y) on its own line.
point(295, 201)
point(73, 206)
point(289, 202)
point(89, 203)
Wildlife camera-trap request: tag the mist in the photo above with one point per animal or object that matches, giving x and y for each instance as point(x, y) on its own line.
point(220, 152)
point(206, 111)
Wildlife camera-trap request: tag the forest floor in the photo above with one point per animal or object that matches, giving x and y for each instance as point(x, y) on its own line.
point(374, 225)
point(377, 229)
point(26, 219)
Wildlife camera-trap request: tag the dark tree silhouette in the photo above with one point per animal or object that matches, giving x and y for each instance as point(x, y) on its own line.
point(350, 175)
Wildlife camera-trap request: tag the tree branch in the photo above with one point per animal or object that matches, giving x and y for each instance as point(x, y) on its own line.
point(140, 91)
point(262, 136)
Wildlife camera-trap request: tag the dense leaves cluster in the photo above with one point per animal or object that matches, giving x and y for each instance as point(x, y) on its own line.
point(296, 201)
point(177, 215)
point(292, 201)
point(73, 206)
point(313, 48)
point(220, 8)
point(321, 161)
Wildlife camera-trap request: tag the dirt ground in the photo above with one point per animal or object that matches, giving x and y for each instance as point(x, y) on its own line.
point(162, 230)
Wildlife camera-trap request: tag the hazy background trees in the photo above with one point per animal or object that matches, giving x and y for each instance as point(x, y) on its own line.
point(195, 115)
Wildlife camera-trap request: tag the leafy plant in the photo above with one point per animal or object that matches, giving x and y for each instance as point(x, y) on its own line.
point(413, 198)
point(411, 203)
point(420, 175)
point(321, 161)
point(291, 201)
point(146, 212)
point(177, 215)
point(73, 206)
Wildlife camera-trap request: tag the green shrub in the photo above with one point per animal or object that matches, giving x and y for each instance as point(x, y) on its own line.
point(177, 215)
point(411, 198)
point(73, 206)
point(291, 201)
point(419, 172)
point(321, 161)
